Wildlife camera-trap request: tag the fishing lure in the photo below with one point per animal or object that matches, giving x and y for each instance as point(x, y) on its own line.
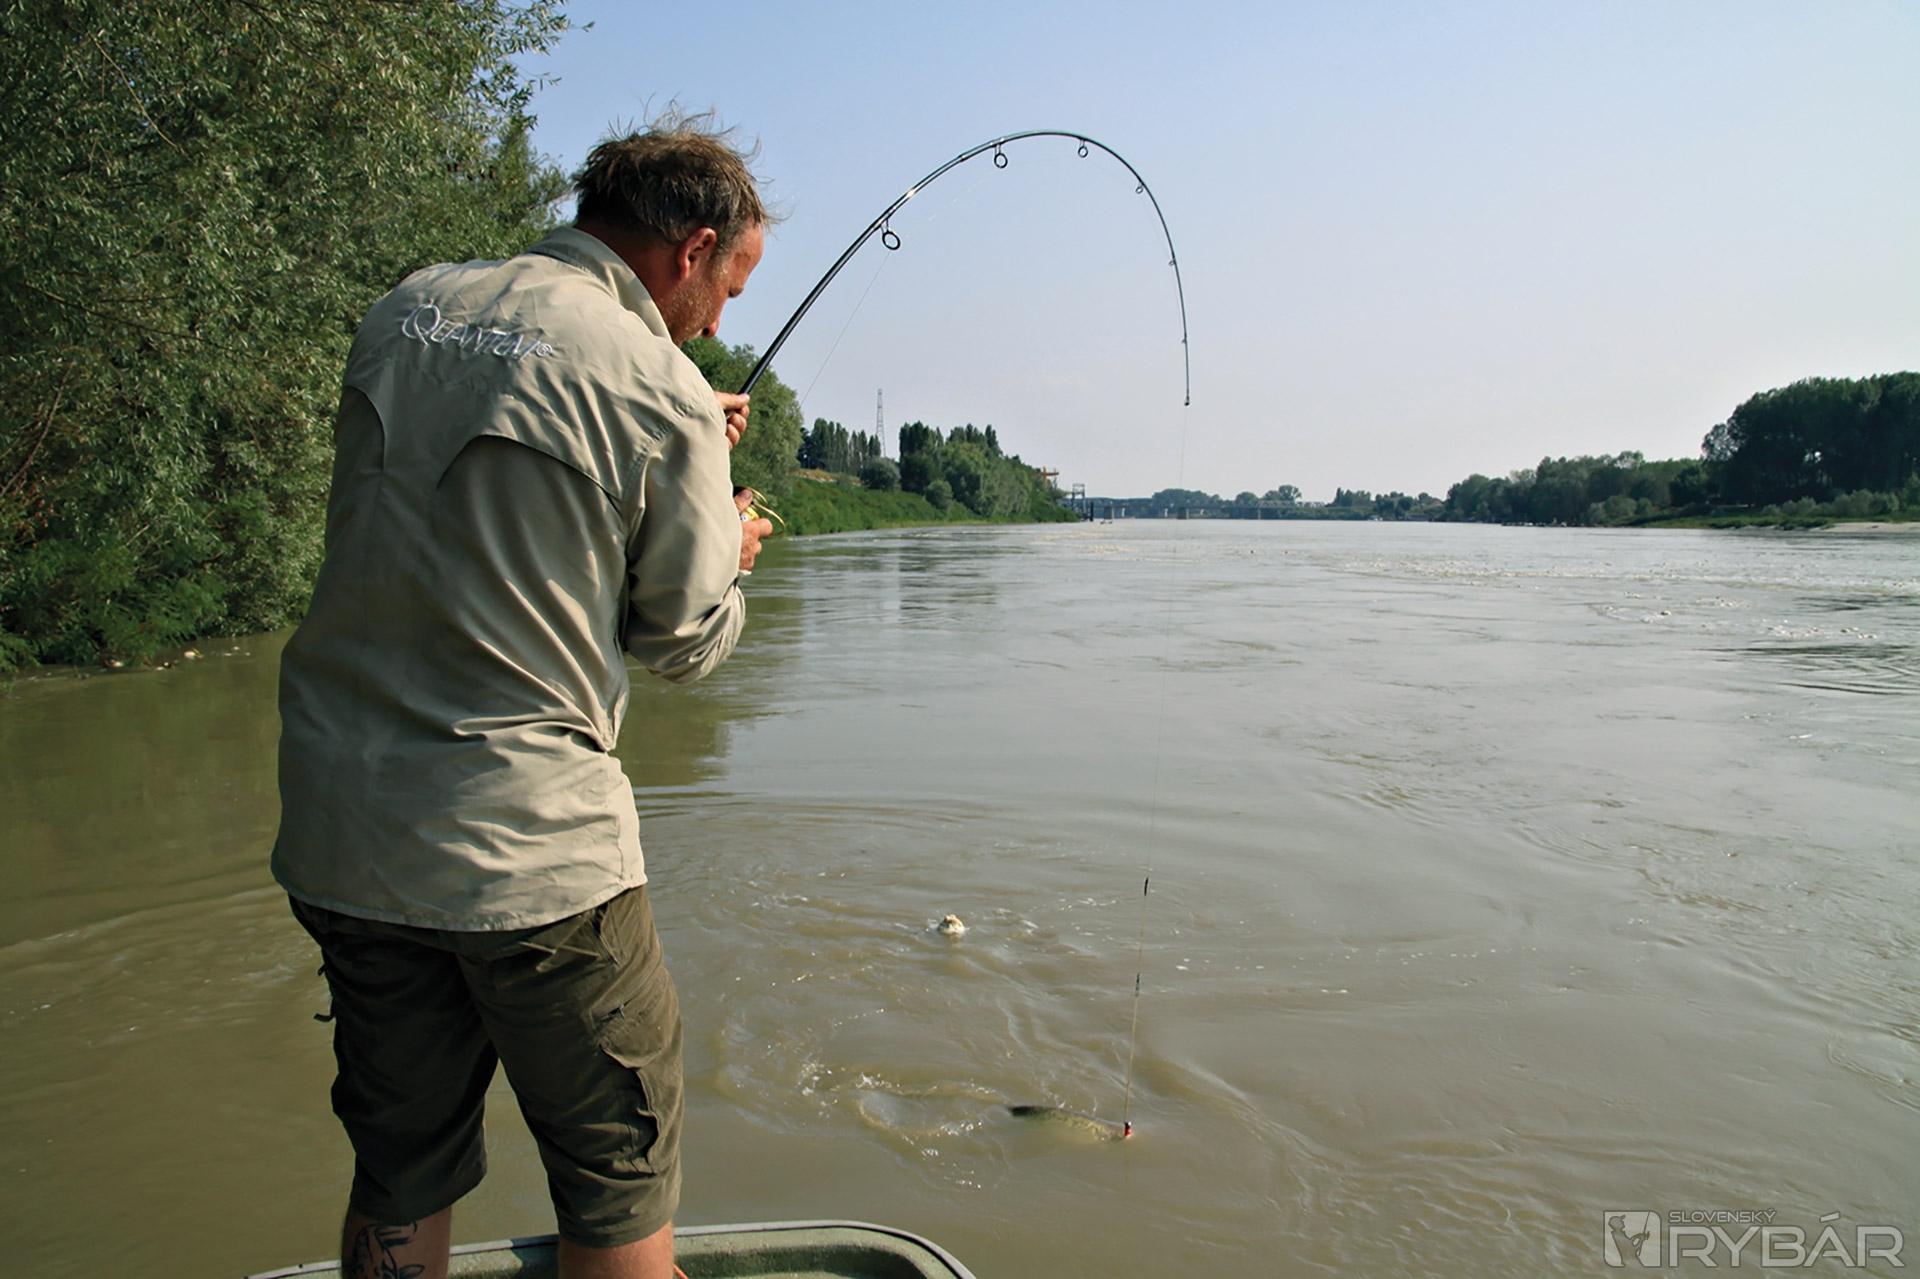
point(882, 227)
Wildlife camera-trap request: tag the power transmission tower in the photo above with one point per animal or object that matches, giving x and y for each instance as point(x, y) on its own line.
point(880, 418)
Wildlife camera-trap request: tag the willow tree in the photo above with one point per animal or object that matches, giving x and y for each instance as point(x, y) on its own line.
point(198, 199)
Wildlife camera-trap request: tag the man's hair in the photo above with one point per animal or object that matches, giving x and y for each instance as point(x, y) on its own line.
point(679, 174)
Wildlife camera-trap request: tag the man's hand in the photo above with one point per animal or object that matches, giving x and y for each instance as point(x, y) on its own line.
point(751, 531)
point(734, 409)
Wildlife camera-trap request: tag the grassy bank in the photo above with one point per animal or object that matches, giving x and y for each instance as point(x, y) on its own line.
point(1777, 519)
point(820, 504)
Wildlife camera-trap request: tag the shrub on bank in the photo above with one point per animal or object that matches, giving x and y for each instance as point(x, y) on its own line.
point(882, 475)
point(819, 504)
point(825, 506)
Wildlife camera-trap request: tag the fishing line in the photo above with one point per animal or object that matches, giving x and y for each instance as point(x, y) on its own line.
point(882, 226)
point(871, 281)
point(828, 358)
point(1133, 1027)
point(1153, 798)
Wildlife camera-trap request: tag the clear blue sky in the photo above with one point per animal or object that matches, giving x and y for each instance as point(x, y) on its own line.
point(1419, 240)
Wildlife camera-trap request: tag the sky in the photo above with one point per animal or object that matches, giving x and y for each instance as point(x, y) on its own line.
point(1417, 240)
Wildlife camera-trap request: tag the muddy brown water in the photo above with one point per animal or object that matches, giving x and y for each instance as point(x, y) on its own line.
point(1501, 879)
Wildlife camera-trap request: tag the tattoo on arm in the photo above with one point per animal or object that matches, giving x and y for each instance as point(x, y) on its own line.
point(371, 1256)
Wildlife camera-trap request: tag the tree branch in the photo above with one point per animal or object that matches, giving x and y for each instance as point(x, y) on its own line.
point(42, 429)
point(134, 93)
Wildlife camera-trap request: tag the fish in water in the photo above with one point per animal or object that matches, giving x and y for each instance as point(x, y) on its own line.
point(1105, 1129)
point(951, 926)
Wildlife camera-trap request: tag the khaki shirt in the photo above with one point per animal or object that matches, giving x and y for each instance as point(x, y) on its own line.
point(529, 477)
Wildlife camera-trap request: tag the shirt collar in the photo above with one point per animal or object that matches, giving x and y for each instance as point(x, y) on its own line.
point(591, 254)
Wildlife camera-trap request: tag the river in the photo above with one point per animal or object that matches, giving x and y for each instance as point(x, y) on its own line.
point(1500, 879)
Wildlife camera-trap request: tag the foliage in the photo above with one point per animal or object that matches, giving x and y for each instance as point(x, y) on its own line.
point(1820, 449)
point(830, 447)
point(764, 458)
point(918, 437)
point(200, 198)
point(919, 472)
point(1281, 502)
point(970, 468)
point(965, 469)
point(1613, 489)
point(882, 474)
point(817, 506)
point(980, 437)
point(1189, 498)
point(1819, 438)
point(820, 505)
point(1284, 495)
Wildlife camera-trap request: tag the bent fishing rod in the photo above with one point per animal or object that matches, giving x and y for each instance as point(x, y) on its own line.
point(882, 227)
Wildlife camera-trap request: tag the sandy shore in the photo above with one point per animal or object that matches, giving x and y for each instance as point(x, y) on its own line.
point(1870, 526)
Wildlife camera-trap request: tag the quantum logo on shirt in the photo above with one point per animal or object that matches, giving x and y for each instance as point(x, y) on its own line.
point(425, 325)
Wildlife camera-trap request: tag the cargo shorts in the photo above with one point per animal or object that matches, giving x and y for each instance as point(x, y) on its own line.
point(581, 1012)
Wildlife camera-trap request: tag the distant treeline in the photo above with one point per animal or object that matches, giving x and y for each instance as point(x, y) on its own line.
point(965, 466)
point(1281, 503)
point(1818, 449)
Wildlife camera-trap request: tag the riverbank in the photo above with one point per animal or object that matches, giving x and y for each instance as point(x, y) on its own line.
point(1872, 526)
point(1901, 523)
point(820, 503)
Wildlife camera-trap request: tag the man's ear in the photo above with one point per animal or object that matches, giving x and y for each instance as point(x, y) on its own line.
point(691, 254)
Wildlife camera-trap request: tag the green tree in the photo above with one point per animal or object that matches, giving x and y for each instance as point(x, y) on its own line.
point(1817, 438)
point(199, 199)
point(1183, 498)
point(1691, 485)
point(764, 458)
point(816, 446)
point(964, 467)
point(920, 447)
point(918, 437)
point(920, 470)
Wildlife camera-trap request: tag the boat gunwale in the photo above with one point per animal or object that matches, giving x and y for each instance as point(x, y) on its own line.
point(519, 1242)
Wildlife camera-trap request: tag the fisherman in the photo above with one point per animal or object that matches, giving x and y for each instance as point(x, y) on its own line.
point(529, 478)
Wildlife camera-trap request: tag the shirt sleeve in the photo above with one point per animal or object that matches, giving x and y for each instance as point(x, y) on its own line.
point(684, 606)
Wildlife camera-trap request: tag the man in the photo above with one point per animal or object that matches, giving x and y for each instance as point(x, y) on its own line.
point(530, 478)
